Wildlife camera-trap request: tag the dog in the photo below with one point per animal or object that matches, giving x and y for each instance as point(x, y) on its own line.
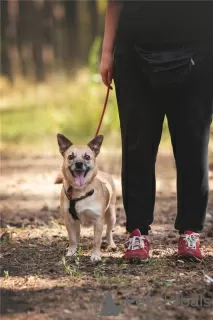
point(88, 195)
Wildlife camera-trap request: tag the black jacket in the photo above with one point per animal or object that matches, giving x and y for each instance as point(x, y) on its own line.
point(166, 22)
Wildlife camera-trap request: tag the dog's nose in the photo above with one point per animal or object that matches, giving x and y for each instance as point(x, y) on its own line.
point(79, 165)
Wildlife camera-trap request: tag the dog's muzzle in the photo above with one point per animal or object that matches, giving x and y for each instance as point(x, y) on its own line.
point(79, 171)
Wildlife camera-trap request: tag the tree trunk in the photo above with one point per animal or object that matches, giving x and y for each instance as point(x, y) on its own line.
point(5, 60)
point(59, 40)
point(93, 10)
point(37, 39)
point(71, 18)
point(30, 37)
point(22, 34)
point(48, 22)
point(88, 24)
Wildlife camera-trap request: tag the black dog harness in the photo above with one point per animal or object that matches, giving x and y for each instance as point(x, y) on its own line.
point(73, 201)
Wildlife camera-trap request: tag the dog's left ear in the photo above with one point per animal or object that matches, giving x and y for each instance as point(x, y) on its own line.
point(63, 143)
point(95, 144)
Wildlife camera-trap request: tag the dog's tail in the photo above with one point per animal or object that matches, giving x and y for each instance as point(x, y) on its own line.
point(59, 179)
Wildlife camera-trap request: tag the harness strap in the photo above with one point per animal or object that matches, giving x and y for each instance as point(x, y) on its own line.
point(72, 209)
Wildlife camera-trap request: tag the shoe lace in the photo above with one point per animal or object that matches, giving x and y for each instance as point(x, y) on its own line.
point(191, 240)
point(135, 243)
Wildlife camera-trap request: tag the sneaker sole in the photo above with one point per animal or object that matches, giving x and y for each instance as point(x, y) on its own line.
point(189, 256)
point(136, 259)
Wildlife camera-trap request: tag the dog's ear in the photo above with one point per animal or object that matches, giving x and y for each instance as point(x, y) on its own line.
point(95, 144)
point(63, 143)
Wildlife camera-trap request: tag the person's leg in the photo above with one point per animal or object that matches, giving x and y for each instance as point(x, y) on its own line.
point(141, 118)
point(189, 118)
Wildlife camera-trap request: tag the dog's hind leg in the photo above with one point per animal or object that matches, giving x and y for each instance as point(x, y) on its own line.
point(110, 222)
point(73, 229)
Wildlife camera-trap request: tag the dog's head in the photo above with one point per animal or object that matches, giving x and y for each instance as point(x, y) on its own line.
point(79, 163)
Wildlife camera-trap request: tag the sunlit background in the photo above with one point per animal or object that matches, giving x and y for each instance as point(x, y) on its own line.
point(50, 82)
point(50, 78)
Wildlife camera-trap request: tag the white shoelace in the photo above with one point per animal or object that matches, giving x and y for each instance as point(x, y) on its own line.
point(135, 243)
point(191, 240)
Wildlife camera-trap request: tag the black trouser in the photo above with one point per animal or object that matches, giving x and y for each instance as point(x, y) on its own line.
point(142, 108)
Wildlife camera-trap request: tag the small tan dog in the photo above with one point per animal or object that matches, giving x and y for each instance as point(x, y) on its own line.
point(87, 196)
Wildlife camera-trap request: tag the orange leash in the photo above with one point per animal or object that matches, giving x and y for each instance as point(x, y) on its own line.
point(104, 109)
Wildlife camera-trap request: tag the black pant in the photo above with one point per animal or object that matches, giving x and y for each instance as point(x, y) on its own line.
point(142, 108)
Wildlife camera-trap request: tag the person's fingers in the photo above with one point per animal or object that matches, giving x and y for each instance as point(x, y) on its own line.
point(109, 77)
point(104, 77)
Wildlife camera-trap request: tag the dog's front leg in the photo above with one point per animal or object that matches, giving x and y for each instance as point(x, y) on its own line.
point(73, 229)
point(98, 231)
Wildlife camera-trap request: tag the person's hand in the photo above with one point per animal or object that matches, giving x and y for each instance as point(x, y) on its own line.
point(106, 68)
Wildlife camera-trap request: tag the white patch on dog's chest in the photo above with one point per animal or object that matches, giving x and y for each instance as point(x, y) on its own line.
point(88, 210)
point(83, 206)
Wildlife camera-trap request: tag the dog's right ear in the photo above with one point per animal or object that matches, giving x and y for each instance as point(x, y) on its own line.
point(63, 143)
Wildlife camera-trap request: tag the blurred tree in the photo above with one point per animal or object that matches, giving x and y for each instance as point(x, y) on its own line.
point(93, 9)
point(71, 18)
point(40, 36)
point(59, 33)
point(23, 35)
point(88, 23)
point(48, 22)
point(30, 36)
point(37, 37)
point(5, 60)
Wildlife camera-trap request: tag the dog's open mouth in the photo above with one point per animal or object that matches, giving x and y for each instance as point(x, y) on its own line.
point(79, 176)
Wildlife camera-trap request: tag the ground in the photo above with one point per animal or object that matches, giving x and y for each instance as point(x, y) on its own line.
point(38, 282)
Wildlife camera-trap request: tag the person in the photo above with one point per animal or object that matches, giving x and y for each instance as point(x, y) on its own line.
point(159, 54)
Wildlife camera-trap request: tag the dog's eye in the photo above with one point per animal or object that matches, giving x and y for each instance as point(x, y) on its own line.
point(71, 156)
point(86, 157)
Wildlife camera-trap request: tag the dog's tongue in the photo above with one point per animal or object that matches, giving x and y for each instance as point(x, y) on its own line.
point(79, 178)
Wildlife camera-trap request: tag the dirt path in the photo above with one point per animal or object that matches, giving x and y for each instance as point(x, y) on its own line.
point(39, 283)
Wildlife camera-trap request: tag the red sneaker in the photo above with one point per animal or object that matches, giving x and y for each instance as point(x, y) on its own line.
point(188, 245)
point(138, 246)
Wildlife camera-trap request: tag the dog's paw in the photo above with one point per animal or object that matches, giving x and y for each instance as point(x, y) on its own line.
point(71, 252)
point(111, 246)
point(95, 257)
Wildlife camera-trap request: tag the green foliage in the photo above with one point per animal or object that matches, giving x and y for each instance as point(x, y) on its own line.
point(93, 60)
point(6, 274)
point(72, 269)
point(36, 114)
